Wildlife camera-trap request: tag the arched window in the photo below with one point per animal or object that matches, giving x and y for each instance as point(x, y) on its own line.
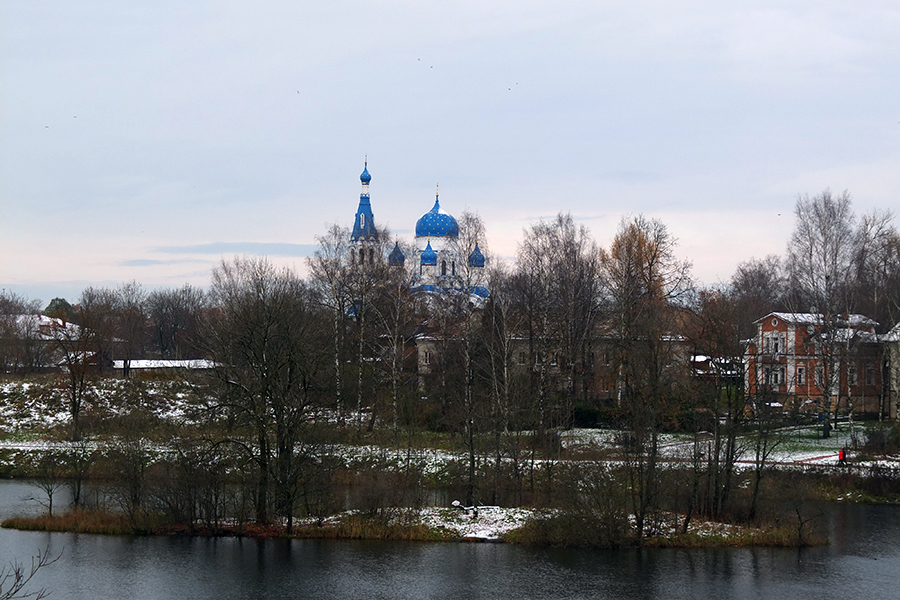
point(362, 221)
point(371, 256)
point(453, 267)
point(362, 256)
point(443, 267)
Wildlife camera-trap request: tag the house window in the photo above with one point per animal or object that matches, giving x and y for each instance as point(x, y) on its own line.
point(774, 343)
point(554, 360)
point(851, 375)
point(870, 374)
point(801, 376)
point(426, 357)
point(523, 358)
point(774, 376)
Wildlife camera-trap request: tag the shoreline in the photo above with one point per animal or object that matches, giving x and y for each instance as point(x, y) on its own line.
point(494, 525)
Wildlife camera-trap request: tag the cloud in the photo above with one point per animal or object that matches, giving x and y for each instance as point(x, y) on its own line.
point(257, 248)
point(149, 262)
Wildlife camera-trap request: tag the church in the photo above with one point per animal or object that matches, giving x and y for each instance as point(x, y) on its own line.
point(442, 265)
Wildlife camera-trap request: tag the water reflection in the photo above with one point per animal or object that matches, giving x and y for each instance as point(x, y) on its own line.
point(863, 561)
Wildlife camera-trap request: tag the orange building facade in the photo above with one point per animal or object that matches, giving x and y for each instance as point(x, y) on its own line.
point(802, 362)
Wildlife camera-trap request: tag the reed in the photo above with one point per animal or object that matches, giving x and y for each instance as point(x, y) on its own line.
point(74, 521)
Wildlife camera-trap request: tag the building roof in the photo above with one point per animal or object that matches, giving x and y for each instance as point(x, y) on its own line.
point(476, 259)
point(396, 258)
point(799, 318)
point(437, 223)
point(364, 222)
point(429, 256)
point(893, 335)
point(165, 364)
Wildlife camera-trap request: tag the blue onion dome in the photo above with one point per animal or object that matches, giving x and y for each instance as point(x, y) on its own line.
point(429, 256)
point(480, 291)
point(476, 259)
point(437, 223)
point(396, 258)
point(365, 177)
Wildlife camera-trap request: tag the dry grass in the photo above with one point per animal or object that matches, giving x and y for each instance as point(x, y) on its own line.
point(351, 527)
point(357, 527)
point(75, 521)
point(780, 537)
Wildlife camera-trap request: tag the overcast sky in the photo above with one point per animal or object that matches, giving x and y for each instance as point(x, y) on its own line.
point(148, 140)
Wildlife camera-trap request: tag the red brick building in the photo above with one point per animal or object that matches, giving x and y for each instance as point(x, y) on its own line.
point(800, 358)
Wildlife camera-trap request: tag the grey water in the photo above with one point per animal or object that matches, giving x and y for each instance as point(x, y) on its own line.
point(863, 560)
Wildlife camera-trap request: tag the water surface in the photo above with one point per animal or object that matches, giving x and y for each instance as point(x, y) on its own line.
point(863, 561)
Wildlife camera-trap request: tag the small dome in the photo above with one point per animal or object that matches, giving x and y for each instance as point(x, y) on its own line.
point(480, 291)
point(429, 256)
point(365, 177)
point(396, 258)
point(476, 259)
point(437, 223)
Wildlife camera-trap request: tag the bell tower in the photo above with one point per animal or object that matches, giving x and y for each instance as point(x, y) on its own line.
point(364, 236)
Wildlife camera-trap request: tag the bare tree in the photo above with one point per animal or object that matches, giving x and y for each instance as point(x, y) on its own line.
point(330, 275)
point(394, 314)
point(558, 272)
point(366, 277)
point(646, 284)
point(266, 338)
point(877, 267)
point(96, 313)
point(175, 316)
point(758, 287)
point(75, 346)
point(21, 349)
point(50, 469)
point(820, 256)
point(15, 577)
point(471, 234)
point(131, 322)
point(501, 325)
point(719, 403)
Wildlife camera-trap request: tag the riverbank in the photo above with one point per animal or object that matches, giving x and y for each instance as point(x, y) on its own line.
point(492, 524)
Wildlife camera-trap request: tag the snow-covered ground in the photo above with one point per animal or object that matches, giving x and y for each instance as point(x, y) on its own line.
point(793, 446)
point(28, 408)
point(490, 523)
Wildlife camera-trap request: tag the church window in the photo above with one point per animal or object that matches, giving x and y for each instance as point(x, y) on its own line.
point(362, 221)
point(372, 256)
point(523, 358)
point(426, 357)
point(453, 267)
point(443, 267)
